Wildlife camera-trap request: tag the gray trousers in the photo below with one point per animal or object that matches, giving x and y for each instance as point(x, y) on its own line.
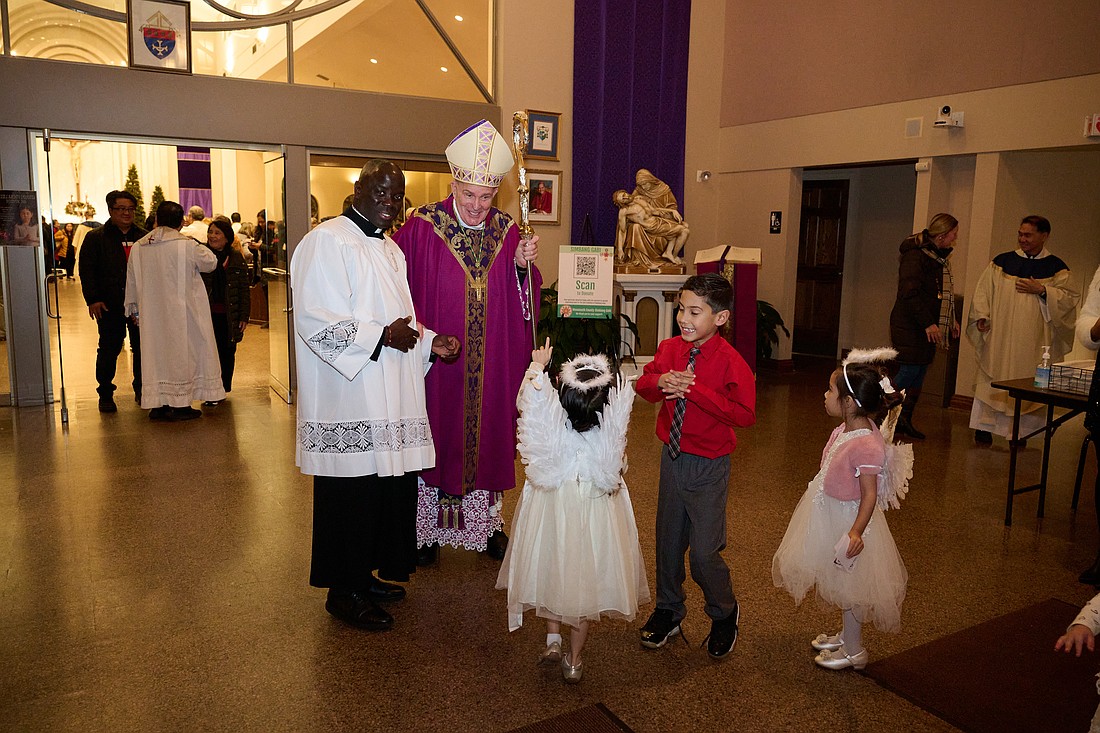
point(691, 517)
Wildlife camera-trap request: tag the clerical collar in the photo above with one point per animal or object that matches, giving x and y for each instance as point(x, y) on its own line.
point(458, 215)
point(363, 223)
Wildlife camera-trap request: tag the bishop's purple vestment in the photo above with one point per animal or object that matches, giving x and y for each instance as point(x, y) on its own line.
point(464, 282)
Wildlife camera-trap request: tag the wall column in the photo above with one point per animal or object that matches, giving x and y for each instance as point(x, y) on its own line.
point(24, 296)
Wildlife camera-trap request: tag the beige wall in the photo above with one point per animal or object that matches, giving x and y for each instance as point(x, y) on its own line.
point(879, 218)
point(250, 193)
point(801, 57)
point(979, 172)
point(542, 32)
point(331, 186)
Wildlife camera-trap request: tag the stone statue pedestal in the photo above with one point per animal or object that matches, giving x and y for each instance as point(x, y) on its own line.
point(650, 301)
point(665, 269)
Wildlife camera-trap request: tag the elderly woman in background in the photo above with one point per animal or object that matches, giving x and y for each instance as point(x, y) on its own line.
point(923, 316)
point(228, 289)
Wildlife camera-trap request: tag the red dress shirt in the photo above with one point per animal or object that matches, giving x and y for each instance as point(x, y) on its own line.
point(723, 396)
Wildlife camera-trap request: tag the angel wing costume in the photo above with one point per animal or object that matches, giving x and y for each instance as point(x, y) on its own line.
point(573, 553)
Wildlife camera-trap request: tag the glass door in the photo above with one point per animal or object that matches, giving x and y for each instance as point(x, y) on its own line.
point(276, 277)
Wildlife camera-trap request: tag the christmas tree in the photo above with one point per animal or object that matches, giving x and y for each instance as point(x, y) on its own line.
point(158, 199)
point(133, 187)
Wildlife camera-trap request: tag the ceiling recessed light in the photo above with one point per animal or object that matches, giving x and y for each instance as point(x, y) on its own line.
point(374, 61)
point(458, 18)
point(443, 68)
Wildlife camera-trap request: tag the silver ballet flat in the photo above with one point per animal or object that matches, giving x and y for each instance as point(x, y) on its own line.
point(569, 673)
point(551, 654)
point(840, 659)
point(827, 642)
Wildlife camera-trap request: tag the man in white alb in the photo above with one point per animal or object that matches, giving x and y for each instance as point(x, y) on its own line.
point(166, 297)
point(363, 430)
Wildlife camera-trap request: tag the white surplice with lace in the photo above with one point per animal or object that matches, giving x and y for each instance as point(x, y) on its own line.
point(357, 416)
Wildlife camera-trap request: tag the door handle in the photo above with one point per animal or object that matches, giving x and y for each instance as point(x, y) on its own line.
point(49, 311)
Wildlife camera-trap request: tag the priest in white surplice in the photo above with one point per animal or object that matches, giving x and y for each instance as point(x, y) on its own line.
point(166, 296)
point(1024, 300)
point(363, 429)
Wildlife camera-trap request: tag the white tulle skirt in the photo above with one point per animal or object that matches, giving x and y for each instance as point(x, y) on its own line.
point(874, 589)
point(573, 555)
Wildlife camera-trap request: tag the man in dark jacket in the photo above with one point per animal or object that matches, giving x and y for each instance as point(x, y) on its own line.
point(923, 316)
point(103, 257)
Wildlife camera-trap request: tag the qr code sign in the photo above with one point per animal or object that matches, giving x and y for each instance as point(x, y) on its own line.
point(585, 266)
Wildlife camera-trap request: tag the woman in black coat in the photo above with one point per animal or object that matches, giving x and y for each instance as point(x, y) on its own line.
point(228, 289)
point(915, 321)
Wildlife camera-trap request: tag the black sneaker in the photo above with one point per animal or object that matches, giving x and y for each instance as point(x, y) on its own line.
point(983, 437)
point(723, 635)
point(660, 627)
point(107, 404)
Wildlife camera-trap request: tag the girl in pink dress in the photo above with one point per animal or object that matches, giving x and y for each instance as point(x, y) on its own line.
point(838, 540)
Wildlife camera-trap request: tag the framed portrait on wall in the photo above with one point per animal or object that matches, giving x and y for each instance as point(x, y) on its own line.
point(160, 35)
point(542, 134)
point(545, 196)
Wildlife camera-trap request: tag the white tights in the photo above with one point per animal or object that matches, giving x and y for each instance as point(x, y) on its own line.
point(852, 634)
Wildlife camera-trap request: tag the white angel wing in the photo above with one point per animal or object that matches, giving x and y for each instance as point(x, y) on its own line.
point(541, 429)
point(610, 445)
point(893, 482)
point(890, 422)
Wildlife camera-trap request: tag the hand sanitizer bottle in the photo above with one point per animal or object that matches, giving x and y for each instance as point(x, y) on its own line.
point(1042, 372)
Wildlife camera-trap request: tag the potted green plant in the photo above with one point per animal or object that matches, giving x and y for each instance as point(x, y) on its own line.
point(768, 324)
point(572, 336)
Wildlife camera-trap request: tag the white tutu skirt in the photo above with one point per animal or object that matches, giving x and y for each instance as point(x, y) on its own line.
point(573, 555)
point(874, 589)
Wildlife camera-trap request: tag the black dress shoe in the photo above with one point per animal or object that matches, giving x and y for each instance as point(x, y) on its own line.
point(983, 437)
point(382, 592)
point(164, 412)
point(497, 545)
point(427, 555)
point(356, 609)
point(185, 413)
point(107, 404)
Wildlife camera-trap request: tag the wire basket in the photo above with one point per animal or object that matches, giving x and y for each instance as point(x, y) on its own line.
point(1070, 378)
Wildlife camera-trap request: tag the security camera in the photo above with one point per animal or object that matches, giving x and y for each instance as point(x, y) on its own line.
point(947, 118)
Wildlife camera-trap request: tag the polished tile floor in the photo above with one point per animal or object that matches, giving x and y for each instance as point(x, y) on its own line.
point(155, 579)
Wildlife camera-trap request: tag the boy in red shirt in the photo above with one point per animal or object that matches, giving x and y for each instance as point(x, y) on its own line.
point(708, 390)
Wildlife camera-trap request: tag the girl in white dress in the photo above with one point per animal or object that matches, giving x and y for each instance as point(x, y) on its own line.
point(573, 555)
point(838, 539)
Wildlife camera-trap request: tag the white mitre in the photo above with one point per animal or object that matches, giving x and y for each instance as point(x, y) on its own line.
point(479, 155)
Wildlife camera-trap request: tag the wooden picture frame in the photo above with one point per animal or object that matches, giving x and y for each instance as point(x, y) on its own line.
point(542, 135)
point(545, 202)
point(159, 33)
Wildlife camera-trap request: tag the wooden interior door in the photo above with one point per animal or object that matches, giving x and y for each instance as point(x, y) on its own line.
point(821, 232)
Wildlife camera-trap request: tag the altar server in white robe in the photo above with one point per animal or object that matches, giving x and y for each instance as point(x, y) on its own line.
point(363, 430)
point(1024, 300)
point(167, 298)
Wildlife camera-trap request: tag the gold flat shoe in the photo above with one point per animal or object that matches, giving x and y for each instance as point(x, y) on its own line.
point(551, 654)
point(569, 673)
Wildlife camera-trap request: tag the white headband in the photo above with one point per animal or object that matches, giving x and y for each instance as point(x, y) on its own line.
point(869, 356)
